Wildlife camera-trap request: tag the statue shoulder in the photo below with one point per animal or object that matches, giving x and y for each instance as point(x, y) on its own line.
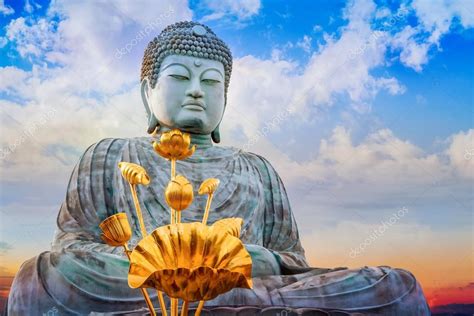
point(261, 162)
point(111, 149)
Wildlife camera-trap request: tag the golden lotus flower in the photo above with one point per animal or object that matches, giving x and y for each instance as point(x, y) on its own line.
point(179, 193)
point(230, 225)
point(133, 173)
point(174, 145)
point(116, 230)
point(209, 186)
point(191, 261)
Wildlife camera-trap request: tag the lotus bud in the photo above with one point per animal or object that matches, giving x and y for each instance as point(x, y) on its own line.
point(179, 193)
point(209, 186)
point(133, 173)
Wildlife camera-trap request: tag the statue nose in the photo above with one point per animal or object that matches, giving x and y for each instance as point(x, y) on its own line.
point(195, 90)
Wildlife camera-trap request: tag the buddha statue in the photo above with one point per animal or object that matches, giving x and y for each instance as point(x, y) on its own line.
point(185, 76)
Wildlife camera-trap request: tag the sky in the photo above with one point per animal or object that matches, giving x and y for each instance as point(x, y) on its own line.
point(365, 109)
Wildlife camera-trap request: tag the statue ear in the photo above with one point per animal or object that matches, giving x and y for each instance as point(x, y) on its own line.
point(153, 124)
point(216, 135)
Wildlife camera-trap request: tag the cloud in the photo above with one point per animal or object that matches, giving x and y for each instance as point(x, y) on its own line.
point(33, 38)
point(5, 9)
point(91, 56)
point(78, 83)
point(30, 6)
point(271, 86)
point(317, 28)
point(381, 160)
point(12, 78)
point(461, 153)
point(435, 20)
point(234, 10)
point(305, 43)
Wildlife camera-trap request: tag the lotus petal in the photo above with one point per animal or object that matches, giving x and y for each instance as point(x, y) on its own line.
point(229, 225)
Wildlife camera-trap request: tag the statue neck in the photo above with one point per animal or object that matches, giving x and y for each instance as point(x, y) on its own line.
point(201, 141)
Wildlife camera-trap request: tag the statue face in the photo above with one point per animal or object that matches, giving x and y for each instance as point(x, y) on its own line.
point(189, 94)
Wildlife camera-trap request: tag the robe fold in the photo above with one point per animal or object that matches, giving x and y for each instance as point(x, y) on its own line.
point(82, 275)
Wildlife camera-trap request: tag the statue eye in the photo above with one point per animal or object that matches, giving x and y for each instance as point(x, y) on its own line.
point(210, 81)
point(179, 77)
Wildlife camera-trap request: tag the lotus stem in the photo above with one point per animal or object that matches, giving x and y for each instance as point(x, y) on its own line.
point(208, 206)
point(138, 210)
point(144, 234)
point(173, 212)
point(184, 308)
point(144, 292)
point(173, 168)
point(148, 302)
point(162, 303)
point(174, 307)
point(199, 309)
point(173, 174)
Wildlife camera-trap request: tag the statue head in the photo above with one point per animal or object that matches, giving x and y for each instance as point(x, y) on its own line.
point(184, 79)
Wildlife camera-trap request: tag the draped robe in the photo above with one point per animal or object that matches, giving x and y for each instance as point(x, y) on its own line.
point(82, 275)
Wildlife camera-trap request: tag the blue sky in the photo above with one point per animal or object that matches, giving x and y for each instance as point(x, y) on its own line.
point(372, 104)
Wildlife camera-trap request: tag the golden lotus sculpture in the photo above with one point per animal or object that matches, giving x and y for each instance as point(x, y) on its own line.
point(174, 145)
point(188, 261)
point(179, 193)
point(116, 230)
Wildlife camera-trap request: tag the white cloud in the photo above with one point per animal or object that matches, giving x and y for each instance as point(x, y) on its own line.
point(33, 38)
point(5, 9)
point(340, 67)
point(461, 153)
point(92, 92)
point(108, 55)
point(412, 54)
point(317, 28)
point(381, 172)
point(30, 6)
point(11, 78)
point(435, 19)
point(240, 10)
point(305, 43)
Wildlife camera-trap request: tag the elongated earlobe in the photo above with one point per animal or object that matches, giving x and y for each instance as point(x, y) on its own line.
point(216, 135)
point(153, 124)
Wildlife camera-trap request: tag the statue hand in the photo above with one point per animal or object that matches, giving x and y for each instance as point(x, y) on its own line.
point(264, 261)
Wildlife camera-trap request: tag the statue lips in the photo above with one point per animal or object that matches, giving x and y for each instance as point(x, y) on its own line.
point(194, 105)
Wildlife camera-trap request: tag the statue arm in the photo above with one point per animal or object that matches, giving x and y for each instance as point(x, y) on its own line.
point(86, 204)
point(264, 261)
point(281, 236)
